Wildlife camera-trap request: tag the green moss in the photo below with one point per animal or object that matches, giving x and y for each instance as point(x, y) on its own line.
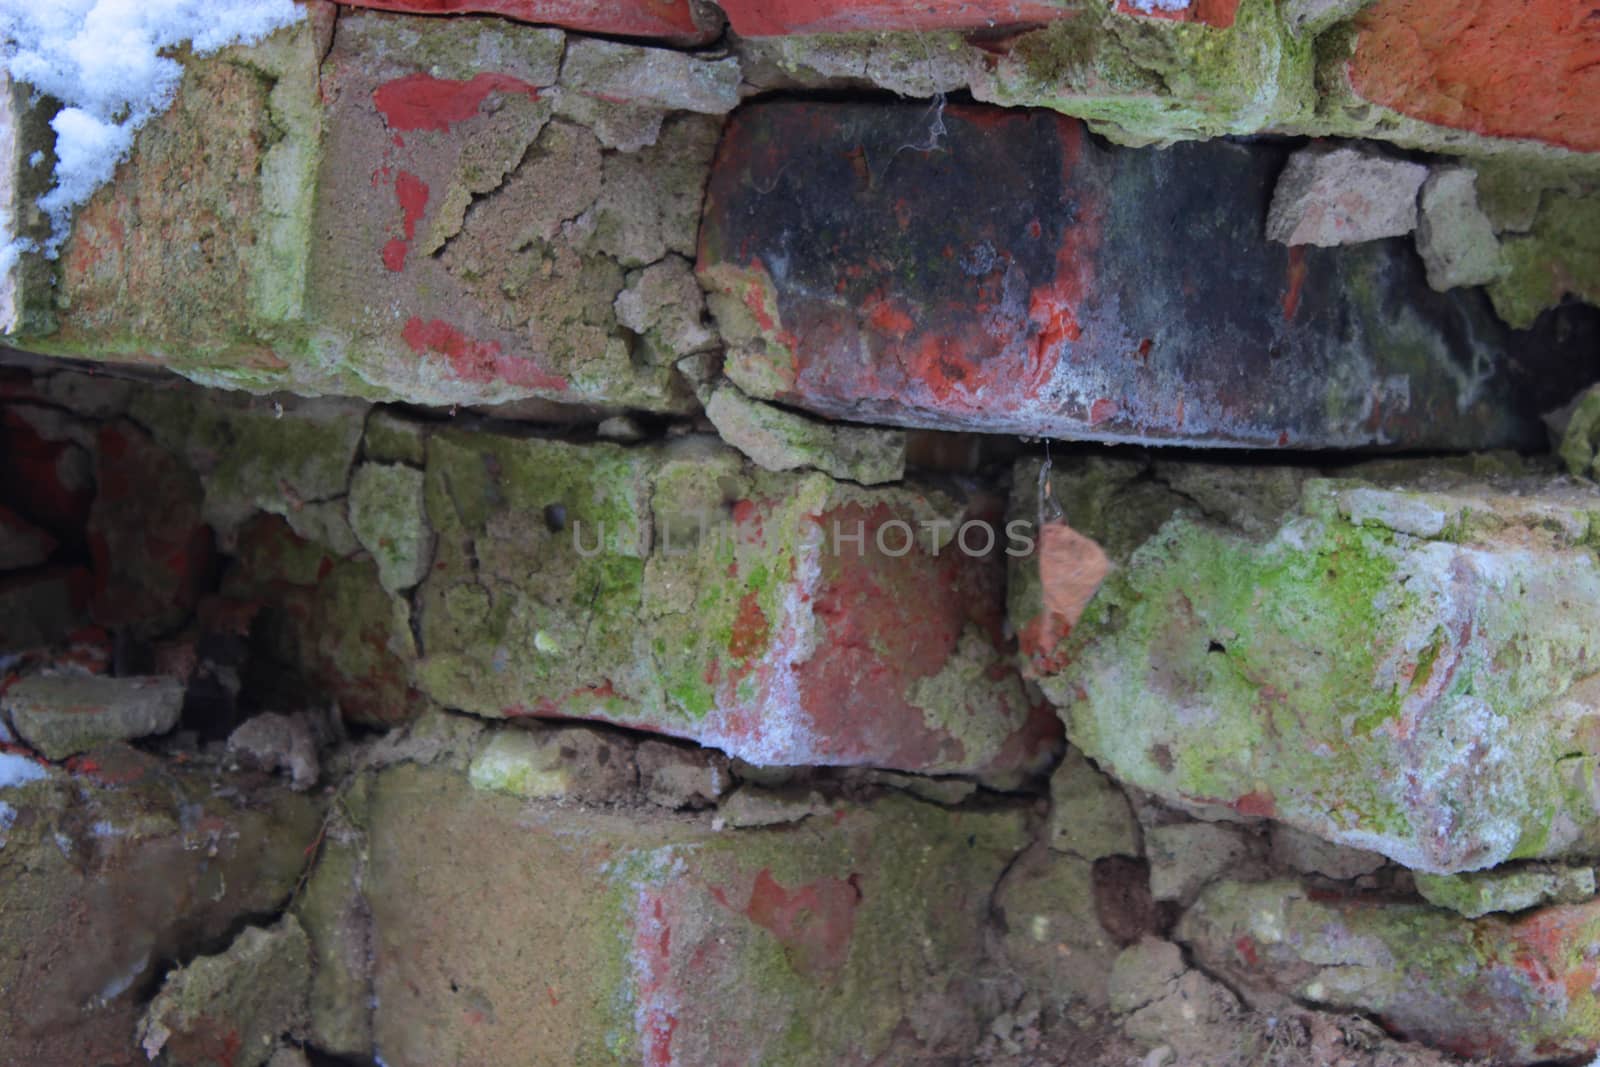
point(1318, 671)
point(254, 455)
point(393, 438)
point(1148, 81)
point(1260, 614)
point(1560, 255)
point(387, 515)
point(1580, 444)
point(537, 589)
point(521, 764)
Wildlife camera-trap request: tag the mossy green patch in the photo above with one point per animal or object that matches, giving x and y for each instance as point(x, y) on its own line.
point(1512, 991)
point(1561, 255)
point(1320, 674)
point(1145, 81)
point(256, 454)
point(387, 515)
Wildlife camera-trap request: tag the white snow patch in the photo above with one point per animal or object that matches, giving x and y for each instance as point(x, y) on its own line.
point(19, 770)
point(1148, 6)
point(8, 815)
point(102, 59)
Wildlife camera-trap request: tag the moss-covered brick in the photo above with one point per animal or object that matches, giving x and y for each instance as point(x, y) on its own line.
point(780, 440)
point(1052, 936)
point(333, 913)
point(681, 589)
point(1579, 446)
point(1560, 255)
point(1089, 814)
point(1399, 669)
point(1145, 81)
point(387, 517)
point(393, 438)
point(255, 454)
point(233, 1007)
point(1510, 991)
point(1515, 888)
point(504, 926)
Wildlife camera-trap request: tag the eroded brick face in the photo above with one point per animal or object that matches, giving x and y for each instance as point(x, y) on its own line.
point(474, 238)
point(664, 943)
point(785, 618)
point(982, 269)
point(1503, 68)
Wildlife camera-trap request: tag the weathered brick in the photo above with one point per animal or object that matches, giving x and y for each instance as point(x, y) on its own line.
point(195, 255)
point(112, 872)
point(654, 77)
point(62, 715)
point(1049, 308)
point(1513, 69)
point(1406, 670)
point(428, 300)
point(1053, 938)
point(763, 18)
point(654, 939)
point(681, 590)
point(279, 455)
point(329, 247)
point(1517, 991)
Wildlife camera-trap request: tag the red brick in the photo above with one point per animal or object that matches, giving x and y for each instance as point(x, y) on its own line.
point(1526, 69)
point(1072, 290)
